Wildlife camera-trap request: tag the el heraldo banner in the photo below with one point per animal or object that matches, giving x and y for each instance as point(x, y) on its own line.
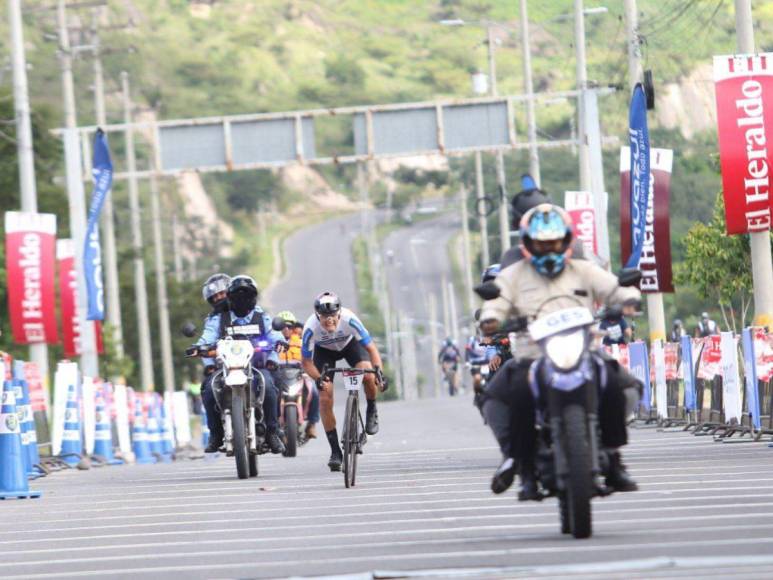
point(744, 89)
point(30, 261)
point(68, 288)
point(655, 262)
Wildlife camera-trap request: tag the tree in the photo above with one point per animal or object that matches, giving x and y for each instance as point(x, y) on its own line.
point(719, 266)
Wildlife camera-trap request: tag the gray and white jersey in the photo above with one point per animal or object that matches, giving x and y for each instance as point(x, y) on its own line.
point(349, 327)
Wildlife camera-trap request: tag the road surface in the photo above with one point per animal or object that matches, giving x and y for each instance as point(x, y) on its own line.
point(421, 503)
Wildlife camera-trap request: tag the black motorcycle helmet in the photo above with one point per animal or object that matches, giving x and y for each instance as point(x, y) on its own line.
point(242, 295)
point(530, 196)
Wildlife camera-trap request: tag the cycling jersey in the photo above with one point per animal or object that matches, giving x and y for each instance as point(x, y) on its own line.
point(349, 327)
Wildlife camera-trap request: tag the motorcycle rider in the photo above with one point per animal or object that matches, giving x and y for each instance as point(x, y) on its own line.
point(293, 354)
point(330, 334)
point(449, 358)
point(529, 197)
point(546, 272)
point(243, 310)
point(214, 292)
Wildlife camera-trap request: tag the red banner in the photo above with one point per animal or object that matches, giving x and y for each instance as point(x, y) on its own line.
point(655, 263)
point(711, 358)
point(68, 289)
point(671, 355)
point(29, 260)
point(744, 88)
point(38, 393)
point(579, 205)
point(763, 353)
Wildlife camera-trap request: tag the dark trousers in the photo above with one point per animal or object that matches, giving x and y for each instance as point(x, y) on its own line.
point(510, 408)
point(270, 404)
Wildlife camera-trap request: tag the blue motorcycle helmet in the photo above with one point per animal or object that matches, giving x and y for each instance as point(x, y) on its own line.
point(546, 238)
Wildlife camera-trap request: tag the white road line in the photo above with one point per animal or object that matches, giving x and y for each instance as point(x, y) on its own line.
point(315, 545)
point(435, 555)
point(499, 504)
point(436, 520)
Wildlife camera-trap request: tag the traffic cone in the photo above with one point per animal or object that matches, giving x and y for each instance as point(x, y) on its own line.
point(72, 444)
point(32, 437)
point(140, 444)
point(18, 395)
point(13, 479)
point(157, 442)
point(167, 435)
point(154, 438)
point(103, 438)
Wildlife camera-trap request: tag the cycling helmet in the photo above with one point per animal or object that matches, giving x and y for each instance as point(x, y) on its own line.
point(327, 303)
point(288, 317)
point(545, 223)
point(242, 295)
point(215, 284)
point(490, 273)
point(530, 196)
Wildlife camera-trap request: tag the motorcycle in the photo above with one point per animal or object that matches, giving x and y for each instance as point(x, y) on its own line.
point(567, 380)
point(294, 405)
point(240, 412)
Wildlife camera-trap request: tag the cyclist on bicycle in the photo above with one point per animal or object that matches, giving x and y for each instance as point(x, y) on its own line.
point(449, 358)
point(330, 334)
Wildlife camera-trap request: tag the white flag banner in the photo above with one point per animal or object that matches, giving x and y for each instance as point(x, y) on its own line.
point(182, 419)
point(88, 412)
point(661, 388)
point(731, 381)
point(121, 402)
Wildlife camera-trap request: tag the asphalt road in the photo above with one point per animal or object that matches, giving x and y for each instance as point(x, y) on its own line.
point(417, 270)
point(421, 504)
point(317, 258)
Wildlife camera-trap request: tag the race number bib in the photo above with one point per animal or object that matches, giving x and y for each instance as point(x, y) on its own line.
point(352, 381)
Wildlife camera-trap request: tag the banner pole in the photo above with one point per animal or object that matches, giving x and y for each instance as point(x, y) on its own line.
point(762, 259)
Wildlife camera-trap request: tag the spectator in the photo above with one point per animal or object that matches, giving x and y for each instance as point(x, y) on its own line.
point(706, 326)
point(677, 331)
point(618, 330)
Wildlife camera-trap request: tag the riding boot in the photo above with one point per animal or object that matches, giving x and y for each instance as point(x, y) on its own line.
point(618, 478)
point(504, 476)
point(529, 487)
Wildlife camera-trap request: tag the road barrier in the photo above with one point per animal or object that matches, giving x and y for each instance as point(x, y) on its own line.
point(92, 423)
point(719, 385)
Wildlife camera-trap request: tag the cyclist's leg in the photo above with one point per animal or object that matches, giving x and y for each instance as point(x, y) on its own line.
point(358, 357)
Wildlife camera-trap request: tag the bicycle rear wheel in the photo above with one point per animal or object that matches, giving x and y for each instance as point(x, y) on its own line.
point(351, 439)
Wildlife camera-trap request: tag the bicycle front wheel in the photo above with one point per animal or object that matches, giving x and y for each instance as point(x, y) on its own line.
point(351, 439)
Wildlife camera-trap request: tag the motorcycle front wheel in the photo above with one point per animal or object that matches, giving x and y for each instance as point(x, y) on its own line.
point(239, 434)
point(579, 482)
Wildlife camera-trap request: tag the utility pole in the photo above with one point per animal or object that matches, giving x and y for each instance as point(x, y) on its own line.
point(24, 148)
point(178, 259)
point(762, 260)
point(140, 291)
point(482, 217)
point(589, 130)
point(75, 195)
point(167, 361)
point(531, 120)
point(433, 322)
point(656, 315)
point(108, 228)
point(466, 254)
point(504, 220)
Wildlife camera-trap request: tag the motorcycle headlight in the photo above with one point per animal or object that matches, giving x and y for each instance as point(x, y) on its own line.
point(565, 350)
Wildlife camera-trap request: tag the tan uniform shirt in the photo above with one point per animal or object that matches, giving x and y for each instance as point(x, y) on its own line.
point(582, 283)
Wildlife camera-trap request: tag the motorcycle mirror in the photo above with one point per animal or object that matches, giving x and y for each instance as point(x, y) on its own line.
point(628, 277)
point(488, 290)
point(188, 329)
point(278, 324)
point(476, 314)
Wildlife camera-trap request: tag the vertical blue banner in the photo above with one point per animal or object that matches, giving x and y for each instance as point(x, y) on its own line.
point(750, 377)
point(640, 368)
point(102, 170)
point(688, 369)
point(639, 139)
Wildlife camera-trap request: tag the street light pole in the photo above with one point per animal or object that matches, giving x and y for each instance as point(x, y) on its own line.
point(482, 216)
point(108, 229)
point(531, 120)
point(76, 196)
point(762, 260)
point(504, 220)
point(24, 148)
